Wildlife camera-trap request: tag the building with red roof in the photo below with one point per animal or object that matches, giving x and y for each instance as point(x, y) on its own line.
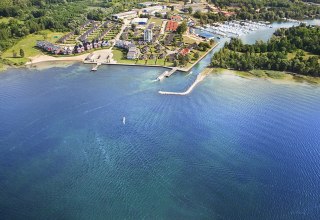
point(185, 51)
point(172, 26)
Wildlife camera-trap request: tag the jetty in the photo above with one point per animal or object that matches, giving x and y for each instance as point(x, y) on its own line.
point(95, 68)
point(199, 78)
point(167, 73)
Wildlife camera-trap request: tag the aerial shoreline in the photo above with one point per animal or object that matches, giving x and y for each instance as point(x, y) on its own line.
point(81, 58)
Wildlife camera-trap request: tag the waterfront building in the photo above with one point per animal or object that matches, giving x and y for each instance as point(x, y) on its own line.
point(133, 53)
point(123, 44)
point(147, 35)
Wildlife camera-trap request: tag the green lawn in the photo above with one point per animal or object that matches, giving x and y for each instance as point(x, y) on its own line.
point(157, 21)
point(119, 56)
point(28, 45)
point(162, 63)
point(188, 40)
point(151, 62)
point(306, 56)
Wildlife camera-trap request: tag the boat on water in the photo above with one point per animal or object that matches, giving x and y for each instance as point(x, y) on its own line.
point(124, 120)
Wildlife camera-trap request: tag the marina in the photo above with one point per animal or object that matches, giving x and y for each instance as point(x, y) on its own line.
point(230, 28)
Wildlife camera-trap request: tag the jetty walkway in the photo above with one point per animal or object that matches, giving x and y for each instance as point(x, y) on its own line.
point(199, 78)
point(167, 73)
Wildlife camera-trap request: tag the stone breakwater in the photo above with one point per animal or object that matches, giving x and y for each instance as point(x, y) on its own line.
point(199, 78)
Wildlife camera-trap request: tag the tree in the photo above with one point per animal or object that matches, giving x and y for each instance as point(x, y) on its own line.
point(133, 26)
point(196, 55)
point(21, 53)
point(182, 28)
point(189, 10)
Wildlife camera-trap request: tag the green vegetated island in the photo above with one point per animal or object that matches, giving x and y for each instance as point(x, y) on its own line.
point(143, 32)
point(294, 50)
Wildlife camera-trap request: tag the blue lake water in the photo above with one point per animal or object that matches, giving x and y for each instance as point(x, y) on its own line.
point(234, 148)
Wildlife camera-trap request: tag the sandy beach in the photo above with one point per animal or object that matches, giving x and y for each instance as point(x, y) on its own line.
point(80, 58)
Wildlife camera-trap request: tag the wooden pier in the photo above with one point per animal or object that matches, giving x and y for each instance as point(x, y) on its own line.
point(167, 73)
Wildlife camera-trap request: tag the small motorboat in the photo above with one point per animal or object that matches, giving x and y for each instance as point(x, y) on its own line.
point(124, 120)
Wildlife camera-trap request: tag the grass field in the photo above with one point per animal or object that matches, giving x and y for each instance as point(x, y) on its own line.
point(157, 21)
point(119, 56)
point(28, 45)
point(306, 55)
point(188, 40)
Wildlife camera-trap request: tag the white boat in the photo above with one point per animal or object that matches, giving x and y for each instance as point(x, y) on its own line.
point(124, 120)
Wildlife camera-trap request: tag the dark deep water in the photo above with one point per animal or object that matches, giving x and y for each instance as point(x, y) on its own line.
point(233, 149)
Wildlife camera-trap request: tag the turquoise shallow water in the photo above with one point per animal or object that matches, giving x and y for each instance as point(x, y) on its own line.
point(233, 149)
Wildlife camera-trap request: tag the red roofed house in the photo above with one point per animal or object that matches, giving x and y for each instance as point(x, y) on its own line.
point(176, 18)
point(172, 26)
point(227, 13)
point(185, 51)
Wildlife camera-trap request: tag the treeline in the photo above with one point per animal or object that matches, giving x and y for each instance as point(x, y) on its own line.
point(273, 55)
point(30, 16)
point(269, 10)
point(286, 40)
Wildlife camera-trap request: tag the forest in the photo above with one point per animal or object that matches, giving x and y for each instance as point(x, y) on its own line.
point(295, 50)
point(19, 18)
point(269, 10)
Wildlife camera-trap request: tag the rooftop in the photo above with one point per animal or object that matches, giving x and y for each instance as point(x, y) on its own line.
point(172, 26)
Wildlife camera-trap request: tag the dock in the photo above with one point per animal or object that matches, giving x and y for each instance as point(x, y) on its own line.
point(95, 68)
point(167, 73)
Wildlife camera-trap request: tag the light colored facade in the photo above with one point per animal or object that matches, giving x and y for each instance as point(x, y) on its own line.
point(147, 35)
point(125, 15)
point(140, 21)
point(133, 53)
point(153, 9)
point(122, 43)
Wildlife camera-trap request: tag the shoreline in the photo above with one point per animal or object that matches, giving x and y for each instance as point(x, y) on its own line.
point(286, 77)
point(81, 58)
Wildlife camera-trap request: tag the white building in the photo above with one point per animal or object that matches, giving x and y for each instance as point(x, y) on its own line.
point(125, 15)
point(147, 4)
point(147, 35)
point(139, 21)
point(133, 53)
point(122, 44)
point(153, 9)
